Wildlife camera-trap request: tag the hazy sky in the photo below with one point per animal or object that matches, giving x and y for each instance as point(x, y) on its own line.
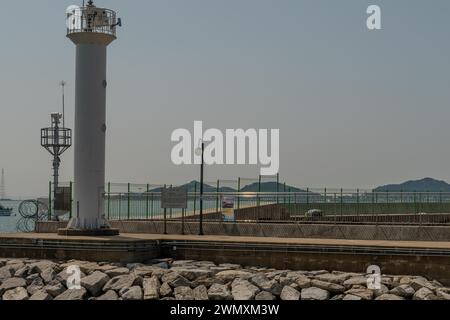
point(355, 108)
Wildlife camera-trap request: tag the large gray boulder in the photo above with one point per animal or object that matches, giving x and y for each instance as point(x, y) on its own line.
point(72, 295)
point(289, 294)
point(133, 293)
point(94, 283)
point(230, 275)
point(174, 279)
point(145, 271)
point(420, 282)
point(443, 293)
point(265, 296)
point(265, 284)
point(335, 278)
point(184, 294)
point(389, 296)
point(64, 275)
point(351, 297)
point(111, 295)
point(48, 275)
point(41, 295)
point(303, 282)
point(359, 280)
point(165, 290)
point(40, 266)
point(424, 294)
point(5, 273)
point(361, 292)
point(36, 285)
point(16, 294)
point(243, 290)
point(328, 286)
point(200, 293)
point(313, 293)
point(383, 290)
point(219, 292)
point(117, 272)
point(193, 274)
point(22, 272)
point(12, 283)
point(55, 289)
point(404, 291)
point(120, 282)
point(151, 288)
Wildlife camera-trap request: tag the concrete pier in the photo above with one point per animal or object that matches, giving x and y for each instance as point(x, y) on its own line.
point(430, 259)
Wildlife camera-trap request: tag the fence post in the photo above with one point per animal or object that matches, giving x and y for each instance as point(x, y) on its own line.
point(373, 203)
point(153, 211)
point(307, 197)
point(120, 206)
point(71, 200)
point(165, 215)
point(357, 202)
point(278, 187)
point(342, 200)
point(239, 192)
point(259, 190)
point(128, 199)
point(195, 197)
point(50, 201)
point(415, 203)
point(335, 208)
point(284, 198)
point(182, 221)
point(109, 200)
point(217, 195)
point(171, 210)
point(147, 190)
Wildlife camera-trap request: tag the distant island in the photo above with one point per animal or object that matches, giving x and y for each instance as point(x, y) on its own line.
point(423, 185)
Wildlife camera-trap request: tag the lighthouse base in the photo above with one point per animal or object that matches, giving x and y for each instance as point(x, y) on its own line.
point(88, 233)
point(92, 227)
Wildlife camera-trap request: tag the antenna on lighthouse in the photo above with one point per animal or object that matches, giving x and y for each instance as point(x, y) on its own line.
point(63, 84)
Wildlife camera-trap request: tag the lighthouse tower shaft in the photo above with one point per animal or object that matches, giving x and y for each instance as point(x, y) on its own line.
point(91, 29)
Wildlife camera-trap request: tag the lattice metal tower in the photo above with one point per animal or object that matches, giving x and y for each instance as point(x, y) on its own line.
point(56, 140)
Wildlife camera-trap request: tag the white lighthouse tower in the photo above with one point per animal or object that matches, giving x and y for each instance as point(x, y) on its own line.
point(91, 29)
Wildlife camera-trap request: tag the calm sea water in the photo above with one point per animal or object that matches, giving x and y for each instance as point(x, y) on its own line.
point(9, 224)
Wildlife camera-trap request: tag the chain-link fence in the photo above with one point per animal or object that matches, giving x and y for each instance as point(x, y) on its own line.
point(267, 199)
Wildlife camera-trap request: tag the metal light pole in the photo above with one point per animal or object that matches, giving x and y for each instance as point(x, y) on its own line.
point(202, 165)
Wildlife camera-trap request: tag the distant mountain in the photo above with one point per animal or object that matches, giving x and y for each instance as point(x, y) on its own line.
point(254, 187)
point(270, 187)
point(195, 186)
point(424, 185)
